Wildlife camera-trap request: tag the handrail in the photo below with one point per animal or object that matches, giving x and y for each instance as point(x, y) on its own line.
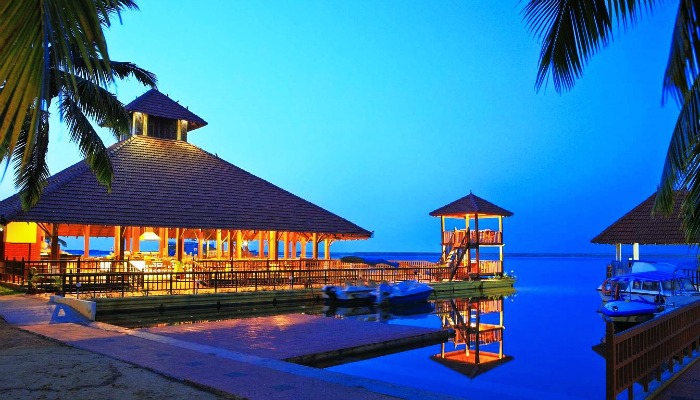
point(640, 353)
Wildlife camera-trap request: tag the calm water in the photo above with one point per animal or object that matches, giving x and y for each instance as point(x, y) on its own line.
point(550, 323)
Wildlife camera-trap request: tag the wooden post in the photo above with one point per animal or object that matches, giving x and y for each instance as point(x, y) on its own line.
point(200, 244)
point(121, 231)
point(314, 246)
point(136, 235)
point(218, 243)
point(117, 243)
point(272, 246)
point(261, 246)
point(500, 248)
point(442, 235)
point(285, 239)
point(327, 249)
point(618, 251)
point(610, 383)
point(635, 251)
point(55, 252)
point(239, 244)
point(86, 241)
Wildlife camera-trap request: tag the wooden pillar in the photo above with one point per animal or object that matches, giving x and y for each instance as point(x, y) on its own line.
point(200, 244)
point(55, 251)
point(302, 250)
point(137, 239)
point(86, 241)
point(219, 244)
point(314, 246)
point(442, 235)
point(178, 254)
point(261, 245)
point(120, 231)
point(163, 243)
point(500, 248)
point(327, 249)
point(272, 253)
point(181, 242)
point(117, 244)
point(618, 251)
point(231, 244)
point(239, 244)
point(285, 238)
point(635, 251)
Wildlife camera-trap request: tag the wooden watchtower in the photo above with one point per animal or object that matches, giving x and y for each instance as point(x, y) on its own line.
point(459, 244)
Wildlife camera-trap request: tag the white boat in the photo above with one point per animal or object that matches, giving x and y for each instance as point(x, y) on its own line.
point(651, 287)
point(358, 293)
point(403, 292)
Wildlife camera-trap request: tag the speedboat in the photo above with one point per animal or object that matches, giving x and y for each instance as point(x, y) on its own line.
point(651, 287)
point(403, 292)
point(358, 293)
point(629, 311)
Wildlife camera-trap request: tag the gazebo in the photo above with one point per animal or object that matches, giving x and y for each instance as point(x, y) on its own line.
point(457, 244)
point(166, 188)
point(642, 226)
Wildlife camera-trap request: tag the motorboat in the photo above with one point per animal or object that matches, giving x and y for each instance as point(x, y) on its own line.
point(651, 287)
point(350, 293)
point(403, 292)
point(629, 311)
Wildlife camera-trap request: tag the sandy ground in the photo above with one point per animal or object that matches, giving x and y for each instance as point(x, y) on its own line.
point(33, 367)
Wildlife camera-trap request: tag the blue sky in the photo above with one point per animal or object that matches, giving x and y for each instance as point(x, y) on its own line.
point(384, 111)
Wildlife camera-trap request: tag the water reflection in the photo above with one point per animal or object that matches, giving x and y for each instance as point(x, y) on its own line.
point(478, 341)
point(478, 324)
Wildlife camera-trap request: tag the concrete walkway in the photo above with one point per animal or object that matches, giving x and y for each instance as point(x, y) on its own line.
point(240, 357)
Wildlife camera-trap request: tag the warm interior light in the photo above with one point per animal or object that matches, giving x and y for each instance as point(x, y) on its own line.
point(149, 236)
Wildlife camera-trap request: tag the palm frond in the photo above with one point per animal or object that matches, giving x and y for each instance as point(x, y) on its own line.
point(572, 31)
point(684, 58)
point(123, 70)
point(31, 175)
point(682, 166)
point(84, 135)
point(99, 105)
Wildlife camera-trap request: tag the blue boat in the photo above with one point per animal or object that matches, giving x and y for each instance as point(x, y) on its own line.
point(629, 311)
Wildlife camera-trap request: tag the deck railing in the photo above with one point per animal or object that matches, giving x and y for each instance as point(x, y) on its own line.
point(486, 237)
point(640, 354)
point(120, 278)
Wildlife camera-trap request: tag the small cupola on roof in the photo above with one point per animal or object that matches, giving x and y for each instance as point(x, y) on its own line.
point(156, 115)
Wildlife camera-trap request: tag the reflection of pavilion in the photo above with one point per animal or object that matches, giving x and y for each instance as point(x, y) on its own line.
point(478, 326)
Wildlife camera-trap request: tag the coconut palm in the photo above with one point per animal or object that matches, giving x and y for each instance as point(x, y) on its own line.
point(56, 50)
point(573, 31)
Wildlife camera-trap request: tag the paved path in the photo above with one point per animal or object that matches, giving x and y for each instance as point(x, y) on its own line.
point(241, 357)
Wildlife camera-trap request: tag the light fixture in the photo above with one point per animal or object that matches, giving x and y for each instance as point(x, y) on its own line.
point(149, 236)
point(3, 223)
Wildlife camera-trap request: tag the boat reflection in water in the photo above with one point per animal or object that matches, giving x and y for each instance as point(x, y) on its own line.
point(478, 341)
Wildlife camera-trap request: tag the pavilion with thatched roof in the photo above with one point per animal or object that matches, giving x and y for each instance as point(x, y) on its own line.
point(457, 244)
point(642, 226)
point(166, 188)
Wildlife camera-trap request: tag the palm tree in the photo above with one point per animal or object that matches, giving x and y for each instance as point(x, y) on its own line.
point(571, 31)
point(56, 50)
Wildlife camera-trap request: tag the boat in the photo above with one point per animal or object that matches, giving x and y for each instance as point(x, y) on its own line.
point(403, 292)
point(633, 312)
point(358, 293)
point(651, 287)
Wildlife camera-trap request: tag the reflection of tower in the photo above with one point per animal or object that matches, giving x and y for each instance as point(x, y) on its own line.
point(478, 326)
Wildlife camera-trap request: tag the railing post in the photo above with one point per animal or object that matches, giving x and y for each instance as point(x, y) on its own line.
point(610, 384)
point(123, 283)
point(255, 278)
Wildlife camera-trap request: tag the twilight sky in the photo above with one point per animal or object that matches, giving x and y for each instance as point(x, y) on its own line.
point(384, 111)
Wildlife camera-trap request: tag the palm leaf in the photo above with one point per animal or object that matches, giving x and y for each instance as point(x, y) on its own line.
point(572, 31)
point(682, 166)
point(84, 135)
point(684, 59)
point(32, 174)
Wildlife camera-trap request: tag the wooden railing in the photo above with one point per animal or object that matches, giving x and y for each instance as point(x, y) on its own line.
point(639, 355)
point(92, 284)
point(486, 236)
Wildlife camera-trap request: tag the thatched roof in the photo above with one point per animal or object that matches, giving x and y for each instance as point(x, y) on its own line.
point(169, 183)
point(470, 204)
point(641, 226)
